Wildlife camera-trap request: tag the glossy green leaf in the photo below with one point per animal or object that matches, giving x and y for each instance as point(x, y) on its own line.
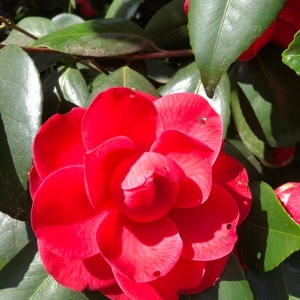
point(221, 30)
point(237, 149)
point(14, 236)
point(160, 70)
point(37, 26)
point(282, 283)
point(291, 56)
point(74, 87)
point(124, 77)
point(100, 38)
point(24, 277)
point(268, 235)
point(64, 20)
point(123, 9)
point(188, 80)
point(271, 91)
point(168, 27)
point(231, 285)
point(20, 110)
point(45, 60)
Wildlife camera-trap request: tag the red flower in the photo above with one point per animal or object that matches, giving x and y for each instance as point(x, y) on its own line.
point(133, 197)
point(86, 8)
point(289, 195)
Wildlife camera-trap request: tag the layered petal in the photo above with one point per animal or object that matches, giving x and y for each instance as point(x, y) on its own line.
point(59, 143)
point(213, 270)
point(140, 251)
point(62, 216)
point(74, 274)
point(208, 231)
point(232, 176)
point(145, 187)
point(34, 181)
point(114, 292)
point(194, 158)
point(185, 274)
point(191, 114)
point(99, 165)
point(120, 112)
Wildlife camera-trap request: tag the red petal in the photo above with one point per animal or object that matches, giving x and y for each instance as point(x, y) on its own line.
point(232, 176)
point(191, 114)
point(140, 251)
point(185, 274)
point(34, 181)
point(114, 292)
point(58, 143)
point(99, 165)
point(186, 6)
point(213, 270)
point(62, 216)
point(74, 274)
point(191, 155)
point(208, 230)
point(120, 112)
point(146, 186)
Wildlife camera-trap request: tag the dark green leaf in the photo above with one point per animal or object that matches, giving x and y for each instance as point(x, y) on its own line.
point(237, 149)
point(188, 80)
point(231, 286)
point(282, 283)
point(168, 27)
point(24, 277)
point(64, 20)
point(73, 87)
point(291, 56)
point(221, 30)
point(100, 38)
point(37, 26)
point(268, 235)
point(124, 77)
point(160, 70)
point(20, 110)
point(123, 9)
point(269, 95)
point(14, 236)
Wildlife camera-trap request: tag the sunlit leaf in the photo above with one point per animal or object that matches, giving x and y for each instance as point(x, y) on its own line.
point(64, 20)
point(291, 56)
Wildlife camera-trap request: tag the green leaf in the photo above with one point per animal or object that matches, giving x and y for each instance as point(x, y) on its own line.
point(188, 80)
point(99, 38)
point(268, 235)
point(269, 93)
point(73, 87)
point(123, 9)
point(14, 236)
point(20, 111)
point(45, 60)
point(237, 149)
point(24, 277)
point(168, 27)
point(221, 30)
point(232, 285)
point(291, 56)
point(160, 70)
point(37, 26)
point(124, 77)
point(282, 283)
point(64, 20)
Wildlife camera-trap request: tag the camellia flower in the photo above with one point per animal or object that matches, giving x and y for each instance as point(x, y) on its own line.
point(86, 8)
point(133, 196)
point(289, 196)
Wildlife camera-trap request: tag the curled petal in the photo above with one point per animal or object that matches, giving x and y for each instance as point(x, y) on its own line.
point(34, 181)
point(213, 270)
point(194, 159)
point(146, 186)
point(232, 176)
point(208, 231)
point(192, 114)
point(140, 251)
point(62, 216)
point(59, 143)
point(114, 292)
point(99, 165)
point(185, 274)
point(74, 274)
point(120, 112)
